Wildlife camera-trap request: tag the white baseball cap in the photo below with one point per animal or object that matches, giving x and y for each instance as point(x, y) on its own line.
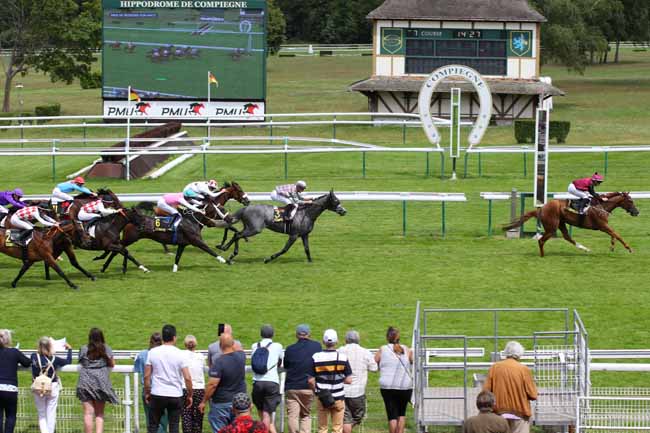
point(330, 336)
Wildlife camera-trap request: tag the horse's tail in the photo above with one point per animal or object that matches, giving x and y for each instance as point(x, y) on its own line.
point(521, 221)
point(236, 217)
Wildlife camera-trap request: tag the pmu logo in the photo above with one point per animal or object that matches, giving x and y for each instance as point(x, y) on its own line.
point(250, 108)
point(196, 108)
point(143, 108)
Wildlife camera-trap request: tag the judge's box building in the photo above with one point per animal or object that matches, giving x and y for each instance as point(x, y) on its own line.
point(498, 38)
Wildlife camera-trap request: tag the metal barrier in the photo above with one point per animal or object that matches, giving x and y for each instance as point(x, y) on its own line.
point(629, 412)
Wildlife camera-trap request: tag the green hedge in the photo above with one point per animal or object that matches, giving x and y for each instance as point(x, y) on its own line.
point(47, 110)
point(92, 81)
point(525, 131)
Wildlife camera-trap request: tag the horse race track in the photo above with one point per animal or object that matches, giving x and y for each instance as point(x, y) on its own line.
point(365, 274)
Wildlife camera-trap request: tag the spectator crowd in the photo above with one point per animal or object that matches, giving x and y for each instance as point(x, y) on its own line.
point(175, 392)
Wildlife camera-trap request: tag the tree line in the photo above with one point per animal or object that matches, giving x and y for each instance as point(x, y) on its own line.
point(59, 37)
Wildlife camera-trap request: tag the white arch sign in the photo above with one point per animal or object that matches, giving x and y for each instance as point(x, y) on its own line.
point(482, 89)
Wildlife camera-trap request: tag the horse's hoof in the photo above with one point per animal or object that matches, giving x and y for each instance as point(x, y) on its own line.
point(229, 262)
point(144, 269)
point(175, 268)
point(220, 247)
point(13, 285)
point(74, 287)
point(97, 258)
point(630, 250)
point(221, 259)
point(93, 278)
point(267, 260)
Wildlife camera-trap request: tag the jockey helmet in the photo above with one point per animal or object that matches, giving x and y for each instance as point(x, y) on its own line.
point(597, 177)
point(18, 192)
point(106, 198)
point(301, 184)
point(212, 184)
point(79, 180)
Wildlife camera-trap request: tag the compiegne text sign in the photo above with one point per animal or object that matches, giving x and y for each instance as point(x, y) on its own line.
point(482, 89)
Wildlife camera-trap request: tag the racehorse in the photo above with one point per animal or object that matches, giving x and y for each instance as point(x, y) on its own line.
point(45, 246)
point(258, 217)
point(132, 232)
point(188, 233)
point(107, 237)
point(555, 214)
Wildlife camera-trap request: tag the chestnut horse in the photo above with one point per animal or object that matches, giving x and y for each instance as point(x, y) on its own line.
point(45, 246)
point(556, 215)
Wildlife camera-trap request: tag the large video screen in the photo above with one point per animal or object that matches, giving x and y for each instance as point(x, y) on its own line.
point(165, 49)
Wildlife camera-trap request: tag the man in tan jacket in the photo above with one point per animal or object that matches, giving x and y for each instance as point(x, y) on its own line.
point(513, 386)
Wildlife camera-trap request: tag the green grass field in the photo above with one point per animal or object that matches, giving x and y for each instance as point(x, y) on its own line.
point(240, 77)
point(365, 274)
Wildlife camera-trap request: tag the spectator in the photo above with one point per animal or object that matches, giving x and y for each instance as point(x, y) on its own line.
point(214, 349)
point(330, 371)
point(299, 395)
point(192, 417)
point(266, 386)
point(164, 372)
point(513, 386)
point(9, 360)
point(44, 362)
point(138, 367)
point(361, 361)
point(227, 378)
point(486, 421)
point(395, 381)
point(243, 422)
point(94, 387)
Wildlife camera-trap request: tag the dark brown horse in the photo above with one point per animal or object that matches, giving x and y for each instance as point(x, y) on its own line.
point(556, 215)
point(45, 246)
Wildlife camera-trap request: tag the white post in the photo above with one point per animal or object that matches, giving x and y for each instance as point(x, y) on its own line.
point(136, 402)
point(541, 157)
point(128, 134)
point(209, 86)
point(127, 403)
point(454, 129)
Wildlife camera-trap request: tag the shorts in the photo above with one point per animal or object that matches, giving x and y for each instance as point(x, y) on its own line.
point(355, 410)
point(266, 396)
point(395, 402)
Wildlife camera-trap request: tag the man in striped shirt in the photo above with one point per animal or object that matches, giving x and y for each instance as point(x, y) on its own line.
point(331, 370)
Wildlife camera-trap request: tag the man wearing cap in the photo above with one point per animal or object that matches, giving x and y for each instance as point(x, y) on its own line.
point(361, 361)
point(243, 422)
point(299, 395)
point(330, 371)
point(227, 378)
point(266, 385)
point(291, 196)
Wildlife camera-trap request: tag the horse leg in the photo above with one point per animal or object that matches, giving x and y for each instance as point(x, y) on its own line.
point(305, 243)
point(223, 240)
point(179, 253)
point(108, 262)
point(612, 243)
point(234, 252)
point(52, 262)
point(74, 262)
point(290, 241)
point(199, 243)
point(546, 236)
point(607, 229)
point(47, 271)
point(166, 249)
point(23, 269)
point(133, 260)
point(102, 256)
point(568, 238)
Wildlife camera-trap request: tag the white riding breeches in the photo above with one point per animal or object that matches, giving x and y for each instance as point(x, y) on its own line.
point(86, 216)
point(18, 223)
point(282, 199)
point(576, 192)
point(3, 210)
point(59, 196)
point(162, 205)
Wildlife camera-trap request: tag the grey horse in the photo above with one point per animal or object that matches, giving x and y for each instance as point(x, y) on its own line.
point(258, 217)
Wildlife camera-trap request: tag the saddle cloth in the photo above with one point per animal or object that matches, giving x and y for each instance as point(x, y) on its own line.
point(163, 224)
point(278, 214)
point(13, 238)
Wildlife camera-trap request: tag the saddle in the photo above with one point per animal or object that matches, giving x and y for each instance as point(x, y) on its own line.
point(18, 238)
point(579, 205)
point(90, 226)
point(61, 209)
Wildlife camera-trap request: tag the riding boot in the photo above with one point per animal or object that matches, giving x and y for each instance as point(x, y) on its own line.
point(289, 212)
point(584, 205)
point(176, 221)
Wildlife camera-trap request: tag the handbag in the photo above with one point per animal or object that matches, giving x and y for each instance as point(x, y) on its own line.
point(42, 384)
point(325, 395)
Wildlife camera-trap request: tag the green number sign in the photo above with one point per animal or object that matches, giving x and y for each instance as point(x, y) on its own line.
point(392, 41)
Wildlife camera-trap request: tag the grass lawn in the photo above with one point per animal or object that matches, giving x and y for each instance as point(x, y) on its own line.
point(365, 274)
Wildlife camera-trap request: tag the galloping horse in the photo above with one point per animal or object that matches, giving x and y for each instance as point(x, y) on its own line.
point(555, 214)
point(191, 231)
point(258, 217)
point(45, 246)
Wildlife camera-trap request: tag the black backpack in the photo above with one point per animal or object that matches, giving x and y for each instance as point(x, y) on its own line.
point(260, 359)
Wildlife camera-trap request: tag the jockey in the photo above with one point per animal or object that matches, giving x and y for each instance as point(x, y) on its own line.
point(95, 209)
point(169, 203)
point(62, 191)
point(11, 198)
point(24, 218)
point(291, 196)
point(584, 189)
point(195, 192)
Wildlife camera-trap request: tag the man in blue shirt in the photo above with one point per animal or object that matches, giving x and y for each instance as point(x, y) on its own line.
point(62, 191)
point(298, 365)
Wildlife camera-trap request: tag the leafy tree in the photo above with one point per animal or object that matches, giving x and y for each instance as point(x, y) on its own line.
point(277, 27)
point(56, 37)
